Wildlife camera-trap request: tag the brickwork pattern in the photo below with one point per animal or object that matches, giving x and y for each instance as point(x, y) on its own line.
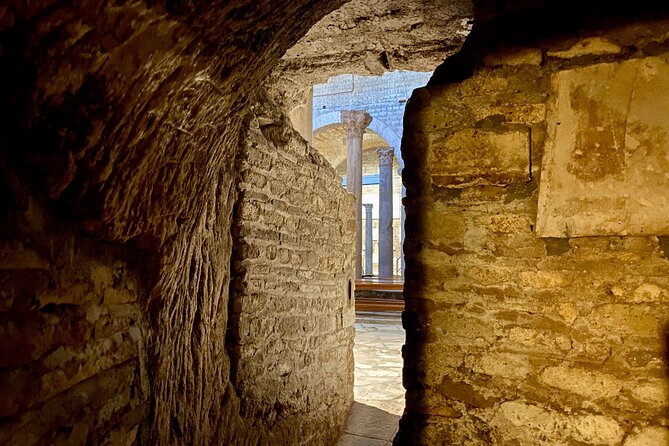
point(73, 356)
point(125, 118)
point(291, 312)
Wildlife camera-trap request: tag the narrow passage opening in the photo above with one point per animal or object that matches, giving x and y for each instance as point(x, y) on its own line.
point(357, 125)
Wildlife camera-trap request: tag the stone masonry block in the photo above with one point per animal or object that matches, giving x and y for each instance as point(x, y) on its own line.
point(479, 157)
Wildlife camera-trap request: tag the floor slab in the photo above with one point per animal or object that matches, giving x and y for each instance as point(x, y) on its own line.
point(379, 395)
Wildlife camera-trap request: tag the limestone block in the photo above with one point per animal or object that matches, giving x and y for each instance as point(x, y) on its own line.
point(513, 113)
point(568, 311)
point(524, 421)
point(606, 166)
point(488, 275)
point(463, 329)
point(649, 292)
point(521, 420)
point(537, 340)
point(515, 56)
point(650, 436)
point(505, 224)
point(505, 365)
point(591, 46)
point(543, 279)
point(593, 385)
point(653, 391)
point(597, 429)
point(478, 157)
point(633, 320)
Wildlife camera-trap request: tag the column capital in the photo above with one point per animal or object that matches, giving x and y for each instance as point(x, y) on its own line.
point(385, 156)
point(355, 121)
point(368, 207)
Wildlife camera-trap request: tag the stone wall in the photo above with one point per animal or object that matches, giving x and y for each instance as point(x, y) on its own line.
point(291, 329)
point(371, 37)
point(513, 339)
point(124, 120)
point(73, 353)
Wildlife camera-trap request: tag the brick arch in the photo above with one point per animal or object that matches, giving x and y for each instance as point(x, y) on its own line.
point(377, 126)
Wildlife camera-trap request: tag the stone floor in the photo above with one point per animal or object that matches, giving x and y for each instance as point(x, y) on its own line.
point(379, 395)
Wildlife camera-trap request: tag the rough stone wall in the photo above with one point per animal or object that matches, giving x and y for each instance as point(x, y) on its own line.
point(514, 339)
point(370, 37)
point(291, 329)
point(73, 353)
point(124, 120)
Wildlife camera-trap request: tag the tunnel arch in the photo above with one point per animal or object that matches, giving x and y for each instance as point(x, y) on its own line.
point(137, 150)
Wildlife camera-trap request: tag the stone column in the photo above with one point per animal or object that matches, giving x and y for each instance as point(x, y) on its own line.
point(355, 122)
point(385, 212)
point(369, 241)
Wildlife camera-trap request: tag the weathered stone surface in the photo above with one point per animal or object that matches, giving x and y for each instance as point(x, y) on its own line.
point(652, 436)
point(121, 126)
point(97, 410)
point(528, 424)
point(513, 339)
point(123, 120)
point(592, 385)
point(591, 46)
point(73, 360)
point(607, 151)
point(372, 37)
point(515, 56)
point(478, 157)
point(291, 333)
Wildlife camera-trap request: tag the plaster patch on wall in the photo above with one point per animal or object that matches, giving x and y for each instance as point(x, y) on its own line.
point(606, 166)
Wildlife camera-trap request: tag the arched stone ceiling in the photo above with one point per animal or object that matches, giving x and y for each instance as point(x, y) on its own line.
point(370, 37)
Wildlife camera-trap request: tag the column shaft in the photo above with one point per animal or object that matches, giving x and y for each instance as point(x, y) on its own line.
point(355, 122)
point(369, 240)
point(386, 267)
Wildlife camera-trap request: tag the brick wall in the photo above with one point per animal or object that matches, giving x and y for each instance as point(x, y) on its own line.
point(124, 119)
point(73, 353)
point(513, 339)
point(291, 328)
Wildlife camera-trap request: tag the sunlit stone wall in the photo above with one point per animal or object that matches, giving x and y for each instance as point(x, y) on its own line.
point(521, 337)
